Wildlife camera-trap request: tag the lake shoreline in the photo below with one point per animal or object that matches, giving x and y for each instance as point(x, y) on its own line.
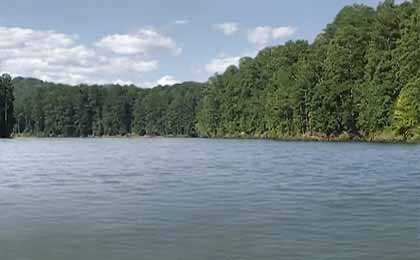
point(304, 138)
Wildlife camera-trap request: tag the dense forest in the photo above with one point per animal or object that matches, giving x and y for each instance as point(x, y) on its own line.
point(359, 79)
point(47, 109)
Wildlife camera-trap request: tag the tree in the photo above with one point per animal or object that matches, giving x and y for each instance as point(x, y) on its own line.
point(381, 87)
point(407, 110)
point(7, 119)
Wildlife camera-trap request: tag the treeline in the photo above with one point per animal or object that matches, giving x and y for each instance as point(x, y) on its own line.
point(47, 109)
point(360, 78)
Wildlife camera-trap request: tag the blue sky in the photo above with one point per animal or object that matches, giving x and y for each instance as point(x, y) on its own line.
point(148, 42)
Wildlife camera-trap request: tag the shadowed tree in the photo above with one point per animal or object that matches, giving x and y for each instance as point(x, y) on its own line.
point(7, 119)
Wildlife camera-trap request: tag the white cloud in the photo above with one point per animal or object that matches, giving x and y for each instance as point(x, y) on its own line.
point(123, 82)
point(21, 37)
point(181, 22)
point(57, 57)
point(262, 35)
point(167, 81)
point(227, 28)
point(221, 63)
point(283, 32)
point(142, 42)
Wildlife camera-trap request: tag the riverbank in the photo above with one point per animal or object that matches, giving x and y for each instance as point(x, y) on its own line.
point(383, 137)
point(386, 136)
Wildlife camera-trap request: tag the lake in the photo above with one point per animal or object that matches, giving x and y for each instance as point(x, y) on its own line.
point(67, 199)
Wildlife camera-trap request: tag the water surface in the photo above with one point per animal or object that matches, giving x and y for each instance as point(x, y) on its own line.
point(66, 199)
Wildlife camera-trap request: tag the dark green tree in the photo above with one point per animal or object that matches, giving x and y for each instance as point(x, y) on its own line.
point(7, 119)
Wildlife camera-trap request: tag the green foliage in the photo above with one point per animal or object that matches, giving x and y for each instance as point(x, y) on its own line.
point(168, 110)
point(407, 110)
point(346, 83)
point(381, 87)
point(46, 109)
point(6, 106)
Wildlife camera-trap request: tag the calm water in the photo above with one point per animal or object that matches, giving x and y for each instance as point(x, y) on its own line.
point(67, 199)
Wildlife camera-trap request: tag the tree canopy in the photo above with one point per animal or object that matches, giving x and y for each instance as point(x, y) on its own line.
point(352, 80)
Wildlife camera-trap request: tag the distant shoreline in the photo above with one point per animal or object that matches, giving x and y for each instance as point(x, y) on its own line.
point(304, 138)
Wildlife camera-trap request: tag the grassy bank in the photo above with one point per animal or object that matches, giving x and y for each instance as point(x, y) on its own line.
point(387, 136)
